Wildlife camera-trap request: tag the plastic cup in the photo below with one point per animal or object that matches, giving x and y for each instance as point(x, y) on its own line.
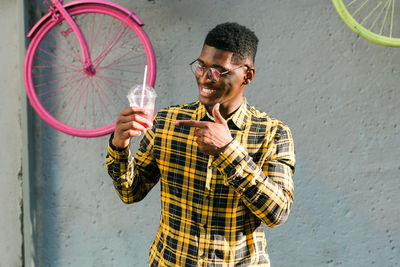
point(143, 99)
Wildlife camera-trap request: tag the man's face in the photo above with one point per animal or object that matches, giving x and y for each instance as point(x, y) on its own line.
point(228, 90)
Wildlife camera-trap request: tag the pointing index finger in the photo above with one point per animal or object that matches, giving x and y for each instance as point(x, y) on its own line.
point(191, 123)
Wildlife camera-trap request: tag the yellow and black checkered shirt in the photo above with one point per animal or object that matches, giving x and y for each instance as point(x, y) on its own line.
point(213, 207)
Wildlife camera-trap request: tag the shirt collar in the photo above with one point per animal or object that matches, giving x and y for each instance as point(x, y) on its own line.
point(239, 117)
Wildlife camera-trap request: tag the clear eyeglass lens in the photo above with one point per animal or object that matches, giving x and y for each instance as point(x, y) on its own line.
point(213, 74)
point(199, 70)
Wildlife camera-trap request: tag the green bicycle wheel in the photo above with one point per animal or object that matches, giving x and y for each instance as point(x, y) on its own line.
point(375, 20)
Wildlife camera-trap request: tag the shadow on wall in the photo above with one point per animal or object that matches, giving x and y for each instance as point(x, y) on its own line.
point(44, 186)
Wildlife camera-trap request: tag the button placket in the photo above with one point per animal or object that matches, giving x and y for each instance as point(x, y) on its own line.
point(206, 212)
point(210, 169)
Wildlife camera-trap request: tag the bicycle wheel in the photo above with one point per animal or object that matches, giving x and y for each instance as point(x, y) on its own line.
point(376, 20)
point(65, 95)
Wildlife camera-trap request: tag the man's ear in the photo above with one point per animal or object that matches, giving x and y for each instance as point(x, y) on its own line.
point(249, 76)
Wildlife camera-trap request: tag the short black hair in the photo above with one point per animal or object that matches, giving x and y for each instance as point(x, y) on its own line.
point(233, 37)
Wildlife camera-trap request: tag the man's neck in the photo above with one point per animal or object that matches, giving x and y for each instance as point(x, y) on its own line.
point(225, 111)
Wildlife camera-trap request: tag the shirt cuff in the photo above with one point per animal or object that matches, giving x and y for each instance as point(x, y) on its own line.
point(237, 165)
point(231, 160)
point(117, 153)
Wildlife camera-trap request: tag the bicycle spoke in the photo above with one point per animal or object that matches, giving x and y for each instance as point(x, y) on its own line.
point(67, 45)
point(123, 58)
point(50, 74)
point(108, 78)
point(93, 103)
point(108, 34)
point(65, 66)
point(55, 93)
point(384, 19)
point(58, 48)
point(52, 66)
point(75, 90)
point(75, 108)
point(103, 104)
point(86, 104)
point(127, 41)
point(107, 95)
point(97, 33)
point(62, 98)
point(111, 88)
point(112, 43)
point(126, 70)
point(106, 41)
point(55, 81)
point(58, 89)
point(92, 31)
point(351, 3)
point(126, 54)
point(86, 26)
point(358, 10)
point(56, 57)
point(379, 15)
point(391, 23)
point(370, 13)
point(122, 44)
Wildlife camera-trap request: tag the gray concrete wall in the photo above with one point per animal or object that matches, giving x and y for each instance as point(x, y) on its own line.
point(10, 136)
point(338, 93)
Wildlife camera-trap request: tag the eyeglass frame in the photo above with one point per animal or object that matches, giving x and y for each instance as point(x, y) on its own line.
point(220, 73)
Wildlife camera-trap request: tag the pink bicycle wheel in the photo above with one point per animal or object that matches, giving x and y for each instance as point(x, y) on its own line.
point(67, 96)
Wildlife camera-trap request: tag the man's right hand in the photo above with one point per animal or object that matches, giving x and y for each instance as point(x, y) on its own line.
point(129, 124)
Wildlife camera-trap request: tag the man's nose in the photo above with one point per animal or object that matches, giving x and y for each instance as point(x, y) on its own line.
point(205, 77)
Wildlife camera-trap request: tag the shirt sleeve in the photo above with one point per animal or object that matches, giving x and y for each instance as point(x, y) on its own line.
point(267, 190)
point(133, 177)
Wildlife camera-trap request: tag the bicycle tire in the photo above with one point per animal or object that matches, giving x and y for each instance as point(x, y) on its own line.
point(54, 77)
point(373, 20)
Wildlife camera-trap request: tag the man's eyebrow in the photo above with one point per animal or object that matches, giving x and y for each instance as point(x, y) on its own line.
point(219, 67)
point(214, 65)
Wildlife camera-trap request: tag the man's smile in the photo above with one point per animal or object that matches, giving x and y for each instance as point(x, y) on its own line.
point(207, 91)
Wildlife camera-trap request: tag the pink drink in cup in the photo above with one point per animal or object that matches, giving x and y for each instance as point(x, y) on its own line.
point(143, 99)
point(149, 116)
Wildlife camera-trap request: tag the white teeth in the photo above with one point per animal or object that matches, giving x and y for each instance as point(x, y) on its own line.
point(209, 91)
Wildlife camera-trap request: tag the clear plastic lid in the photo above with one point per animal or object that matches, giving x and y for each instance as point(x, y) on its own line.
point(138, 97)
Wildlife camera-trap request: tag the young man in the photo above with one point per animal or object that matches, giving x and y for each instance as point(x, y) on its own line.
point(225, 167)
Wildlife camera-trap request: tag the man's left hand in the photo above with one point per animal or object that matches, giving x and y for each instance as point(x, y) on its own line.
point(212, 137)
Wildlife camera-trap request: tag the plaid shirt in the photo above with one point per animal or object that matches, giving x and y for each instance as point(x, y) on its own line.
point(213, 207)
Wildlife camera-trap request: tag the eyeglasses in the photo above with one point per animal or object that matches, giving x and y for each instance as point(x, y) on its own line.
point(212, 73)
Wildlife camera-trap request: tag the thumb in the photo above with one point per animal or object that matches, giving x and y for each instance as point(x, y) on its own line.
point(217, 115)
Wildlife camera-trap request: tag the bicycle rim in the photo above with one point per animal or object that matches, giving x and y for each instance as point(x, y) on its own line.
point(75, 101)
point(376, 20)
